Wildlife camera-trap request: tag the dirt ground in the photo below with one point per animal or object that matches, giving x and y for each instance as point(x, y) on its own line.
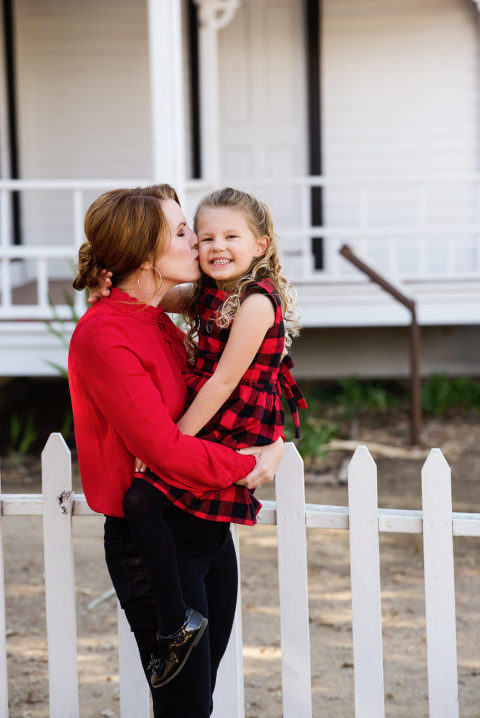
point(329, 590)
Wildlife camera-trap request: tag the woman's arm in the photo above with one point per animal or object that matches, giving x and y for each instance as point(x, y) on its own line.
point(252, 321)
point(128, 402)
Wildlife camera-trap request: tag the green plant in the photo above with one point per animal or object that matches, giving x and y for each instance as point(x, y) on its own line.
point(441, 393)
point(316, 433)
point(355, 395)
point(66, 429)
point(334, 409)
point(22, 434)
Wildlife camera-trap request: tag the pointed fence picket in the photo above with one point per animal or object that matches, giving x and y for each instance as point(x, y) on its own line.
point(3, 630)
point(439, 587)
point(229, 694)
point(293, 587)
point(134, 695)
point(59, 578)
point(365, 576)
point(59, 506)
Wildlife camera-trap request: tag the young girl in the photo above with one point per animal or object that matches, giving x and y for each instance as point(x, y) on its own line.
point(243, 314)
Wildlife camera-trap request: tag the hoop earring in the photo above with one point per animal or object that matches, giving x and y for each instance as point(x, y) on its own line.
point(151, 294)
point(160, 277)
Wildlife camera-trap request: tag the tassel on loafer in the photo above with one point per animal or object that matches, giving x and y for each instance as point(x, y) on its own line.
point(177, 648)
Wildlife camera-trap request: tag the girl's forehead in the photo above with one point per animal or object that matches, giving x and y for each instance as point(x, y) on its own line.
point(221, 215)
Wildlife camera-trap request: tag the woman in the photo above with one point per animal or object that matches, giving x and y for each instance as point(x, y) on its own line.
point(125, 364)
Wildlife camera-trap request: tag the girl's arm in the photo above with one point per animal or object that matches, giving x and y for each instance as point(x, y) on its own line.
point(254, 318)
point(102, 288)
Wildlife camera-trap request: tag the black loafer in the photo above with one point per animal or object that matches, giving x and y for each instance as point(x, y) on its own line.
point(176, 648)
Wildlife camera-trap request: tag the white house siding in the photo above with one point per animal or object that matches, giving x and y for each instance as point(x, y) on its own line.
point(83, 101)
point(262, 100)
point(400, 96)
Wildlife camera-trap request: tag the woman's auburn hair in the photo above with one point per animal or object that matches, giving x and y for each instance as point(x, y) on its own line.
point(260, 222)
point(124, 228)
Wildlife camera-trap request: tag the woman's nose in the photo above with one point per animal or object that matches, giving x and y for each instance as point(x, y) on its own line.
point(193, 240)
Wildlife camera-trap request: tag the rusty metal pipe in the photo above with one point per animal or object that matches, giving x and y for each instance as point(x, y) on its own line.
point(415, 380)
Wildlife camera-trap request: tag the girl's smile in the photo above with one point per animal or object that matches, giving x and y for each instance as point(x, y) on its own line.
point(227, 246)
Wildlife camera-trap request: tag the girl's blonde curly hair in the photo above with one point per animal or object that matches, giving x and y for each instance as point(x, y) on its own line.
point(268, 266)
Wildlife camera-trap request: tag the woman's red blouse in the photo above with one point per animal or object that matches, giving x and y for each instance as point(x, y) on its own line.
point(125, 374)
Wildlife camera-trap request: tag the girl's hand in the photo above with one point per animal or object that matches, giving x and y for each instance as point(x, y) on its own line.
point(102, 288)
point(140, 466)
point(268, 459)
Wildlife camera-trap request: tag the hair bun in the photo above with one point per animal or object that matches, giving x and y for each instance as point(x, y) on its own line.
point(87, 267)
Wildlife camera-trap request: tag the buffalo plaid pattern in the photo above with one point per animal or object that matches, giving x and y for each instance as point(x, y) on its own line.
point(251, 416)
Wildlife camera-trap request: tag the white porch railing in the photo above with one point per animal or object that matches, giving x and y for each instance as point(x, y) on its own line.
point(416, 228)
point(362, 518)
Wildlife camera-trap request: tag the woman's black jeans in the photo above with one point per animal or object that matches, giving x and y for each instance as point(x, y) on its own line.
point(208, 575)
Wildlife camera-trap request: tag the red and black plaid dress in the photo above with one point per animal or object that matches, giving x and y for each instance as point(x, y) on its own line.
point(251, 416)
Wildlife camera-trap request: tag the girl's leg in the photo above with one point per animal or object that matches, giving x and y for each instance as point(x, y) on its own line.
point(208, 574)
point(144, 507)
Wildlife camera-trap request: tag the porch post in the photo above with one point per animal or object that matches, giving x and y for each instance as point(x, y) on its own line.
point(213, 15)
point(166, 92)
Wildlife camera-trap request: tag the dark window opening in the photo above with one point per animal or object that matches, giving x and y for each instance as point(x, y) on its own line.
point(194, 89)
point(313, 30)
point(8, 30)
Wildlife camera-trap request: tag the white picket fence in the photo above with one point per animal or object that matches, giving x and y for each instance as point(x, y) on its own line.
point(362, 518)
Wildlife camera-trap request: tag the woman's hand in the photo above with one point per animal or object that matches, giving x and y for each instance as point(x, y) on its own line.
point(268, 459)
point(102, 288)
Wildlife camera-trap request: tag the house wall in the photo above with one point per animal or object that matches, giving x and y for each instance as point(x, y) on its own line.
point(83, 103)
point(83, 98)
point(83, 88)
point(383, 352)
point(400, 96)
point(262, 101)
